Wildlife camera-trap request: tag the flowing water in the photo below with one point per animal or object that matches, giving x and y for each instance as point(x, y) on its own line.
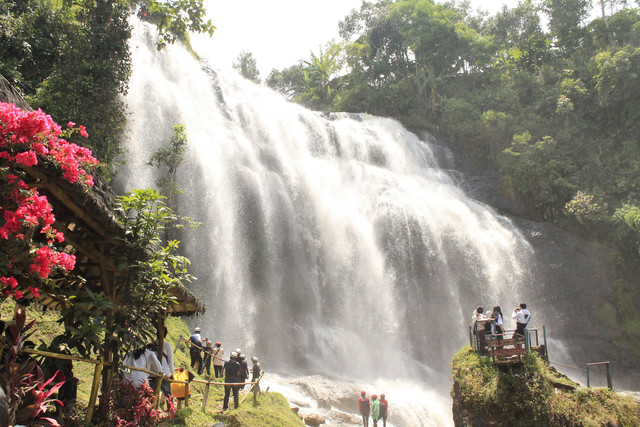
point(332, 247)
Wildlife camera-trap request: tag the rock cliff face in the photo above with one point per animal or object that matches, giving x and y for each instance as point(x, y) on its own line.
point(10, 95)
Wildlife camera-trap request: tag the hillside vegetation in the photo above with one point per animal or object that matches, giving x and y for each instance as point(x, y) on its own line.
point(273, 408)
point(531, 394)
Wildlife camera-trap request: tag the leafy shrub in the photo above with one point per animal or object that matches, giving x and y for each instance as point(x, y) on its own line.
point(28, 393)
point(130, 406)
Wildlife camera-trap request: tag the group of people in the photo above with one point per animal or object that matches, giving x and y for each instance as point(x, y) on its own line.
point(202, 352)
point(235, 370)
point(494, 323)
point(146, 358)
point(377, 409)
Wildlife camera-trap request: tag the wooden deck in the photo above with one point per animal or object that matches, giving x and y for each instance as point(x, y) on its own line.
point(507, 350)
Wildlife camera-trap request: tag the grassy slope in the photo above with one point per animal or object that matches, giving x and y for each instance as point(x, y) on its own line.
point(531, 394)
point(273, 408)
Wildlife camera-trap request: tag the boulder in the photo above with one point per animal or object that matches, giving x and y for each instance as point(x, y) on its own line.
point(314, 420)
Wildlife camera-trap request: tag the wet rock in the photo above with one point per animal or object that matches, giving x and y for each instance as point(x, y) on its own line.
point(314, 420)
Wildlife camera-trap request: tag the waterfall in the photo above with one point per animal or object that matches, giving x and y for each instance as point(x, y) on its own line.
point(331, 244)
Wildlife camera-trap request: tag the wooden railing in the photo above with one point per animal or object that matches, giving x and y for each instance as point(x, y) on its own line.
point(507, 347)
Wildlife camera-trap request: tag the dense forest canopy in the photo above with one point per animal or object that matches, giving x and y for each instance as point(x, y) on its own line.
point(537, 91)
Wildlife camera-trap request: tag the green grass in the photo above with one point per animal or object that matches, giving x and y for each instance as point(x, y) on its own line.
point(273, 408)
point(531, 395)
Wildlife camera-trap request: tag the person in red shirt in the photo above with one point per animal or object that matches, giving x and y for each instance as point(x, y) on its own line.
point(363, 407)
point(384, 409)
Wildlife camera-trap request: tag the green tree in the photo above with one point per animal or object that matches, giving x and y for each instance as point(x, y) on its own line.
point(289, 82)
point(566, 18)
point(247, 67)
point(126, 318)
point(167, 160)
point(532, 169)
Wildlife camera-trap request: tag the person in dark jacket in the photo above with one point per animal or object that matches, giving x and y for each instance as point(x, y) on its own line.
point(384, 410)
point(244, 369)
point(195, 350)
point(232, 371)
point(364, 407)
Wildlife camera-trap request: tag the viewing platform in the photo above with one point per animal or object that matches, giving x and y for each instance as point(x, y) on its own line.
point(507, 348)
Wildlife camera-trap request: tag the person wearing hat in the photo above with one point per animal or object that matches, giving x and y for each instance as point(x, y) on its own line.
point(207, 350)
point(363, 406)
point(195, 350)
point(232, 372)
point(375, 410)
point(256, 370)
point(244, 369)
point(384, 410)
point(218, 362)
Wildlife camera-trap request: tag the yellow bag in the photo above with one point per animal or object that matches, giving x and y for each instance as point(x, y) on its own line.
point(178, 389)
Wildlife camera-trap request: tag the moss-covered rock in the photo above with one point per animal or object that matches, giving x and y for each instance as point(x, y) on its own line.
point(530, 394)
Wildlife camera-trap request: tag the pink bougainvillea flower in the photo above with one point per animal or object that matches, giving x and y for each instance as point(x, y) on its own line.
point(26, 137)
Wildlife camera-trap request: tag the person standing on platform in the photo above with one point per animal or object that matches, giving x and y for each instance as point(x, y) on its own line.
point(232, 371)
point(364, 407)
point(522, 316)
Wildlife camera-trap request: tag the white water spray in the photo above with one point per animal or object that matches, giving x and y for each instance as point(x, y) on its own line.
point(332, 244)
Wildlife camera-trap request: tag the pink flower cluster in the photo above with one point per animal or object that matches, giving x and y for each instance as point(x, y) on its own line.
point(26, 136)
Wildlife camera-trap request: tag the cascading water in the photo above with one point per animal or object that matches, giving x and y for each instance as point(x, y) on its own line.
point(331, 244)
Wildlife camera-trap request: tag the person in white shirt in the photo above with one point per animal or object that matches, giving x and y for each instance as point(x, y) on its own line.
point(142, 358)
point(167, 364)
point(522, 316)
point(218, 362)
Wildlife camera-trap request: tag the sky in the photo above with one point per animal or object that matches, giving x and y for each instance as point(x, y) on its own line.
point(279, 33)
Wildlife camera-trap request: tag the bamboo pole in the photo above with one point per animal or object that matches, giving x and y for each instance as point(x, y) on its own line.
point(61, 356)
point(97, 373)
point(159, 353)
point(205, 397)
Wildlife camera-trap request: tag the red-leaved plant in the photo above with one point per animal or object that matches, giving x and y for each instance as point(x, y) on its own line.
point(28, 393)
point(132, 406)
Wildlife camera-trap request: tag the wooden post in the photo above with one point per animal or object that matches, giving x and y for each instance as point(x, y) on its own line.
point(186, 394)
point(94, 390)
point(588, 379)
point(205, 397)
point(609, 376)
point(159, 353)
point(544, 334)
